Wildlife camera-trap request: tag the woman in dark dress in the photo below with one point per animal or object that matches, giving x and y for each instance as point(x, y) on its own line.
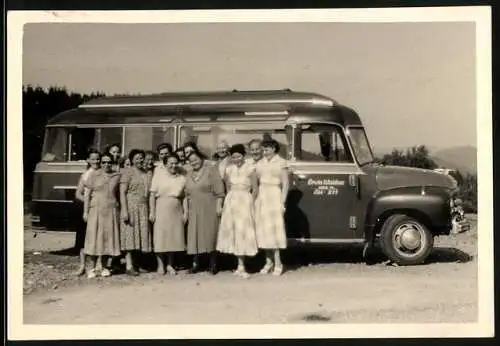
point(205, 195)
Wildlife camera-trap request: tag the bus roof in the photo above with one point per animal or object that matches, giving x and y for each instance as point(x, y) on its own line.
point(149, 109)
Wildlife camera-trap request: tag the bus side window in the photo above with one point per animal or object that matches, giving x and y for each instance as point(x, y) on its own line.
point(207, 137)
point(323, 143)
point(81, 139)
point(107, 136)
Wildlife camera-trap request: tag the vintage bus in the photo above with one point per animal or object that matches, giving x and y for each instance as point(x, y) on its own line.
point(338, 193)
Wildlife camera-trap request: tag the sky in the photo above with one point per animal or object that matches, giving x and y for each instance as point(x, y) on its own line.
point(411, 83)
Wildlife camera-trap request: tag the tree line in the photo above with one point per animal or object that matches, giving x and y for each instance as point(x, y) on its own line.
point(39, 105)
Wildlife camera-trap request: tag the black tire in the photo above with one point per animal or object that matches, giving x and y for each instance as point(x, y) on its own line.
point(391, 245)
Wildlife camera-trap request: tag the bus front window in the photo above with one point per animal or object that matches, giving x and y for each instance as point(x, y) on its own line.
point(55, 144)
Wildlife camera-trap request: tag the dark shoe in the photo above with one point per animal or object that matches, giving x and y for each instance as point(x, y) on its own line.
point(213, 270)
point(194, 270)
point(132, 272)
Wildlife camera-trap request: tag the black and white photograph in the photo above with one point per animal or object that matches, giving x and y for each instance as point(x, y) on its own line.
point(291, 173)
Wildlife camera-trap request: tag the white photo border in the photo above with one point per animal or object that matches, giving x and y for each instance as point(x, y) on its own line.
point(481, 15)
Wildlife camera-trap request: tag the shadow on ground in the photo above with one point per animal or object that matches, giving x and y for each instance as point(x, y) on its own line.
point(294, 258)
point(449, 255)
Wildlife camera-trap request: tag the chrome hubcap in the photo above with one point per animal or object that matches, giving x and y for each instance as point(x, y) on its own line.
point(408, 239)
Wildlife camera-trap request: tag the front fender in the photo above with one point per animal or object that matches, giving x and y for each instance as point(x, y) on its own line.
point(430, 205)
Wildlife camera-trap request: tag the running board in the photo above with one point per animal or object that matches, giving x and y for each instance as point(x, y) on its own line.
point(292, 241)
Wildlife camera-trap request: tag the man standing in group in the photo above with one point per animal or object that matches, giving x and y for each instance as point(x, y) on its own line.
point(163, 150)
point(255, 151)
point(222, 157)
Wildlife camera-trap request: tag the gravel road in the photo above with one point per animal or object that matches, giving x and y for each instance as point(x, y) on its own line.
point(335, 287)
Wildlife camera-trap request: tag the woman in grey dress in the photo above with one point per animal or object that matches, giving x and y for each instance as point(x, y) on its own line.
point(168, 212)
point(205, 193)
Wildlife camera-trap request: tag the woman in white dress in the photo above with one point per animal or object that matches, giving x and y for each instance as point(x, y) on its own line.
point(270, 205)
point(168, 212)
point(237, 229)
point(93, 164)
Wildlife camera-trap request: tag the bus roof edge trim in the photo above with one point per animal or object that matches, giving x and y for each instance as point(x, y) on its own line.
point(314, 101)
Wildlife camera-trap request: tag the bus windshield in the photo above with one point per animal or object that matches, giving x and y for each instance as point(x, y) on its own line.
point(360, 145)
point(55, 144)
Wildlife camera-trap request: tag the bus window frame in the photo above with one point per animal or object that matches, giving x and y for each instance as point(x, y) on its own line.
point(72, 127)
point(275, 124)
point(345, 140)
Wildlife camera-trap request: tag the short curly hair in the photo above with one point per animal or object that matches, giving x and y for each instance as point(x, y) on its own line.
point(134, 152)
point(271, 143)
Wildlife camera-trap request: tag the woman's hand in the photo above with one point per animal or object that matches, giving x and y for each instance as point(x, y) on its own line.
point(152, 216)
point(85, 217)
point(124, 215)
point(185, 217)
point(218, 209)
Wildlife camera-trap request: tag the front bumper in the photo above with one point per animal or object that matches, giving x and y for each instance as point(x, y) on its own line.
point(460, 226)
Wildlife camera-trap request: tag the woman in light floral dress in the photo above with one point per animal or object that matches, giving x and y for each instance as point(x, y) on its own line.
point(237, 229)
point(270, 205)
point(168, 212)
point(134, 194)
point(102, 237)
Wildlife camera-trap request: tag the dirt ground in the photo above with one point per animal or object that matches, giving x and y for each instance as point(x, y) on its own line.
point(322, 285)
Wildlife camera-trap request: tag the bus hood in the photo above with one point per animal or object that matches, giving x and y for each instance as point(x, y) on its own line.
point(391, 177)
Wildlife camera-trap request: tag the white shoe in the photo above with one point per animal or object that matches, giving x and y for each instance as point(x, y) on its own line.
point(91, 274)
point(171, 270)
point(267, 268)
point(278, 271)
point(105, 273)
point(244, 275)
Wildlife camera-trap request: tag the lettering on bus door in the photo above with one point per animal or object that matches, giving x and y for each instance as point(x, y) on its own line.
point(323, 201)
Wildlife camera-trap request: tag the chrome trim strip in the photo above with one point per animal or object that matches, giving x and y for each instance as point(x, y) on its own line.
point(329, 172)
point(70, 147)
point(313, 101)
point(51, 200)
point(324, 168)
point(68, 163)
point(117, 125)
point(261, 113)
point(258, 119)
point(68, 187)
point(327, 241)
point(123, 141)
point(54, 171)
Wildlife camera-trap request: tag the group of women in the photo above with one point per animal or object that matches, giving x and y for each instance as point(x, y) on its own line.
point(173, 201)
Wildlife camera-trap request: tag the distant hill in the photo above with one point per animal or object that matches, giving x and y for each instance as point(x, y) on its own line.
point(462, 158)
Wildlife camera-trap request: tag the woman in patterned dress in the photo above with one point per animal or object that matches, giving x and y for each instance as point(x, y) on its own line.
point(237, 229)
point(168, 212)
point(134, 193)
point(101, 214)
point(93, 164)
point(205, 193)
point(270, 205)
